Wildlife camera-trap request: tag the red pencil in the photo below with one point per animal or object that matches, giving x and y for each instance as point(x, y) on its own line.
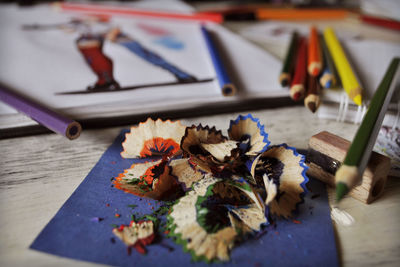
point(297, 88)
point(114, 10)
point(383, 22)
point(314, 53)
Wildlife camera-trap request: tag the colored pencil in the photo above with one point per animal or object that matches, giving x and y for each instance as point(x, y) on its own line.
point(114, 10)
point(382, 22)
point(312, 99)
point(297, 88)
point(356, 160)
point(225, 83)
point(314, 53)
point(46, 117)
point(329, 77)
point(348, 78)
point(289, 62)
point(300, 13)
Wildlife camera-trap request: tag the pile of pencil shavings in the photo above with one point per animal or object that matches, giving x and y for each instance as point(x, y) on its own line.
point(225, 188)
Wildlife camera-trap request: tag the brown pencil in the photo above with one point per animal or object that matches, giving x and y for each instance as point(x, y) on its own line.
point(312, 99)
point(297, 88)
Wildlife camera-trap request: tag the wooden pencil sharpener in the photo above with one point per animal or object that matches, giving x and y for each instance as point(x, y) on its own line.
point(325, 155)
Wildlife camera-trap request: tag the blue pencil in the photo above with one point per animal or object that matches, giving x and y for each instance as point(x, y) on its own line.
point(225, 83)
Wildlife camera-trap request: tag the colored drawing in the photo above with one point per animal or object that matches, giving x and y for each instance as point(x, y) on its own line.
point(164, 37)
point(137, 48)
point(91, 48)
point(90, 45)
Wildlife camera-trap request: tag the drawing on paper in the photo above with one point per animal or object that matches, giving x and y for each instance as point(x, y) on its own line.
point(94, 31)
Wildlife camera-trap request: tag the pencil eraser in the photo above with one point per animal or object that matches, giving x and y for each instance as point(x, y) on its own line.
point(326, 153)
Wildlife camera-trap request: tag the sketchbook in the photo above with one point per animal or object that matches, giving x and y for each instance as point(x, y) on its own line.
point(96, 68)
point(370, 59)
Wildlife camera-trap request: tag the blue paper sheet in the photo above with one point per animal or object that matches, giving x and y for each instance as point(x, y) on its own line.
point(72, 232)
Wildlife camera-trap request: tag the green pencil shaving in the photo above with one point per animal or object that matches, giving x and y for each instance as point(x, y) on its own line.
point(357, 157)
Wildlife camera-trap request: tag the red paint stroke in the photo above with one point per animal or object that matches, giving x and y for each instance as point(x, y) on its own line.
point(153, 30)
point(91, 48)
point(297, 222)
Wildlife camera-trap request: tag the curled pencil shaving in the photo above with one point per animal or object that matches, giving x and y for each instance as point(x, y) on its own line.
point(151, 179)
point(215, 153)
point(136, 235)
point(281, 172)
point(197, 143)
point(207, 220)
point(153, 138)
point(186, 172)
point(249, 132)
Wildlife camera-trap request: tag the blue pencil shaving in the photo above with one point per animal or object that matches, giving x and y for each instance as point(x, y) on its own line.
point(227, 87)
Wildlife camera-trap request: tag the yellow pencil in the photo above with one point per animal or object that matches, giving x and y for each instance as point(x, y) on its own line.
point(349, 80)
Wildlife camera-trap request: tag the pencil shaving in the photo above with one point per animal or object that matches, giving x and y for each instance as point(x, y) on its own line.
point(137, 235)
point(153, 138)
point(151, 179)
point(210, 218)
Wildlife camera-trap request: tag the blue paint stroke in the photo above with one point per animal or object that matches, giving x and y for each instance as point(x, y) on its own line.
point(170, 42)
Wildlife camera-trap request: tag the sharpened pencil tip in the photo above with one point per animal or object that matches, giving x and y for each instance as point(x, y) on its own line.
point(297, 96)
point(312, 106)
point(328, 84)
point(315, 72)
point(341, 191)
point(358, 100)
point(285, 82)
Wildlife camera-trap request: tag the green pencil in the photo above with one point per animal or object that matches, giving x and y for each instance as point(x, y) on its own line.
point(288, 64)
point(356, 160)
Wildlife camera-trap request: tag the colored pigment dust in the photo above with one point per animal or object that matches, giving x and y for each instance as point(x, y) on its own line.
point(214, 192)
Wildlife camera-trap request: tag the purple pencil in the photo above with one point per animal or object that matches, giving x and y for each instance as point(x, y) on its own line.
point(46, 117)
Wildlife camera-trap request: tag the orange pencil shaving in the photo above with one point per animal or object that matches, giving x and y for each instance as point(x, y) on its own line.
point(297, 88)
point(314, 53)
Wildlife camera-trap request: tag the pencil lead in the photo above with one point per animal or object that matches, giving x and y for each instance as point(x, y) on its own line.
point(297, 96)
point(328, 84)
point(312, 106)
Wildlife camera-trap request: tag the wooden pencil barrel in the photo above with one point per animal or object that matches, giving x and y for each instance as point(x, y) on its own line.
point(327, 151)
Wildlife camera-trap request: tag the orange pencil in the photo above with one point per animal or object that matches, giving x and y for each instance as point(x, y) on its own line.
point(314, 53)
point(301, 13)
point(297, 88)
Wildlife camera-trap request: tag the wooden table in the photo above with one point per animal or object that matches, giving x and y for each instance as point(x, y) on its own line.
point(39, 173)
